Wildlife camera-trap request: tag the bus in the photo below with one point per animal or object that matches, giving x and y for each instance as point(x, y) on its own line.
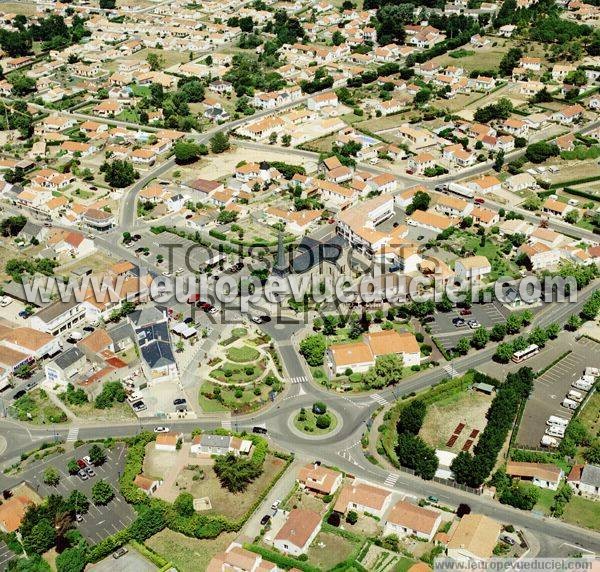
point(528, 352)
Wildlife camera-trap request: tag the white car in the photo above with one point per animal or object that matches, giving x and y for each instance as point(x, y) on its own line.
point(474, 324)
point(5, 301)
point(276, 504)
point(167, 274)
point(128, 244)
point(161, 429)
point(87, 459)
point(213, 310)
point(179, 270)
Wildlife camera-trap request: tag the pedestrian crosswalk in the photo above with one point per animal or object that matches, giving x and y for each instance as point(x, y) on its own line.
point(451, 371)
point(73, 434)
point(226, 423)
point(301, 379)
point(379, 399)
point(390, 480)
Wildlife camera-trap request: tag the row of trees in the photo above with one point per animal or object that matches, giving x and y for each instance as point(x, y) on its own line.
point(411, 451)
point(474, 469)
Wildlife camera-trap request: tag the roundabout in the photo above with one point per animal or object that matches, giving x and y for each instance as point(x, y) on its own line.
point(309, 423)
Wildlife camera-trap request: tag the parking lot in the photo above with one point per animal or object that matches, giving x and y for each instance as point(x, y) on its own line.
point(551, 387)
point(100, 521)
point(131, 562)
point(448, 335)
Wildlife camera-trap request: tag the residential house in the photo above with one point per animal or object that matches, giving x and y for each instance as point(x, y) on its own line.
point(406, 519)
point(585, 479)
point(147, 484)
point(474, 538)
point(364, 498)
point(543, 475)
point(207, 444)
point(317, 478)
point(472, 268)
point(58, 317)
point(300, 529)
point(167, 441)
point(62, 369)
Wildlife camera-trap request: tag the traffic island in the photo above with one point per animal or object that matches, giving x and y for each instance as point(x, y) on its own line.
point(316, 422)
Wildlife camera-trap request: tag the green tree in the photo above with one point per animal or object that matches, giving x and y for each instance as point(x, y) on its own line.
point(313, 349)
point(574, 323)
point(97, 454)
point(386, 371)
point(352, 517)
point(73, 559)
point(77, 502)
point(102, 493)
point(72, 467)
point(235, 473)
point(51, 476)
point(187, 152)
point(119, 173)
point(219, 142)
point(503, 353)
point(41, 538)
point(419, 202)
point(498, 332)
point(155, 60)
point(480, 338)
point(462, 346)
point(184, 504)
point(108, 4)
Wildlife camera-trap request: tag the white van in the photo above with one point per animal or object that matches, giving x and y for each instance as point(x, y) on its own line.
point(575, 396)
point(133, 397)
point(570, 404)
point(582, 384)
point(548, 441)
point(594, 371)
point(555, 420)
point(555, 431)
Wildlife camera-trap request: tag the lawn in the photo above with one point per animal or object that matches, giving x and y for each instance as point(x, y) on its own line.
point(210, 405)
point(188, 553)
point(236, 399)
point(442, 418)
point(590, 414)
point(244, 354)
point(307, 422)
point(223, 502)
point(37, 408)
point(327, 549)
point(583, 512)
point(236, 373)
point(545, 501)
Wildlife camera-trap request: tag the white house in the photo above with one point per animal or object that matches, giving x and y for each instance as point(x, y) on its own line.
point(406, 519)
point(472, 268)
point(299, 530)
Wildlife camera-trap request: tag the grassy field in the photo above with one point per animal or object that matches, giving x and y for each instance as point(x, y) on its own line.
point(590, 414)
point(582, 512)
point(238, 373)
point(19, 8)
point(187, 553)
point(244, 354)
point(468, 407)
point(545, 501)
point(328, 549)
point(36, 407)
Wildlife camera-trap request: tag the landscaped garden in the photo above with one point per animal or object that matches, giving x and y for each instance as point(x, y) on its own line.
point(36, 407)
point(316, 421)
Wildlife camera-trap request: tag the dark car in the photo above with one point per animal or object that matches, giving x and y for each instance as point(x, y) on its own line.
point(19, 394)
point(179, 401)
point(458, 322)
point(88, 328)
point(136, 237)
point(258, 429)
point(265, 519)
point(507, 540)
point(188, 320)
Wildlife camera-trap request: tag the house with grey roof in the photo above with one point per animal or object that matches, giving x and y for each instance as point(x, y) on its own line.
point(207, 444)
point(585, 479)
point(32, 231)
point(153, 338)
point(63, 369)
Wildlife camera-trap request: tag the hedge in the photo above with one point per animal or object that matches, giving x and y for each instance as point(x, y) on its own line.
point(576, 182)
point(284, 562)
point(217, 234)
point(581, 193)
point(149, 554)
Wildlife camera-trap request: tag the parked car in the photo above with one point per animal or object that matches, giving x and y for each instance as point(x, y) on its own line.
point(265, 519)
point(88, 459)
point(121, 552)
point(458, 322)
point(83, 475)
point(90, 472)
point(276, 504)
point(81, 463)
point(179, 401)
point(507, 539)
point(78, 518)
point(465, 312)
point(258, 429)
point(474, 324)
point(257, 319)
point(19, 394)
point(161, 429)
point(432, 498)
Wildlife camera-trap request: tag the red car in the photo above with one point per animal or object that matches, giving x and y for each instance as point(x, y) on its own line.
point(478, 201)
point(465, 312)
point(193, 298)
point(81, 463)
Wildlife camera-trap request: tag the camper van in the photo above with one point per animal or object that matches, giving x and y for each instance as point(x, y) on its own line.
point(582, 384)
point(555, 431)
point(548, 441)
point(570, 404)
point(559, 421)
point(575, 396)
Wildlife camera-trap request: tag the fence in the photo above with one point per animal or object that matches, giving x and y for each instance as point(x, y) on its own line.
point(447, 482)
